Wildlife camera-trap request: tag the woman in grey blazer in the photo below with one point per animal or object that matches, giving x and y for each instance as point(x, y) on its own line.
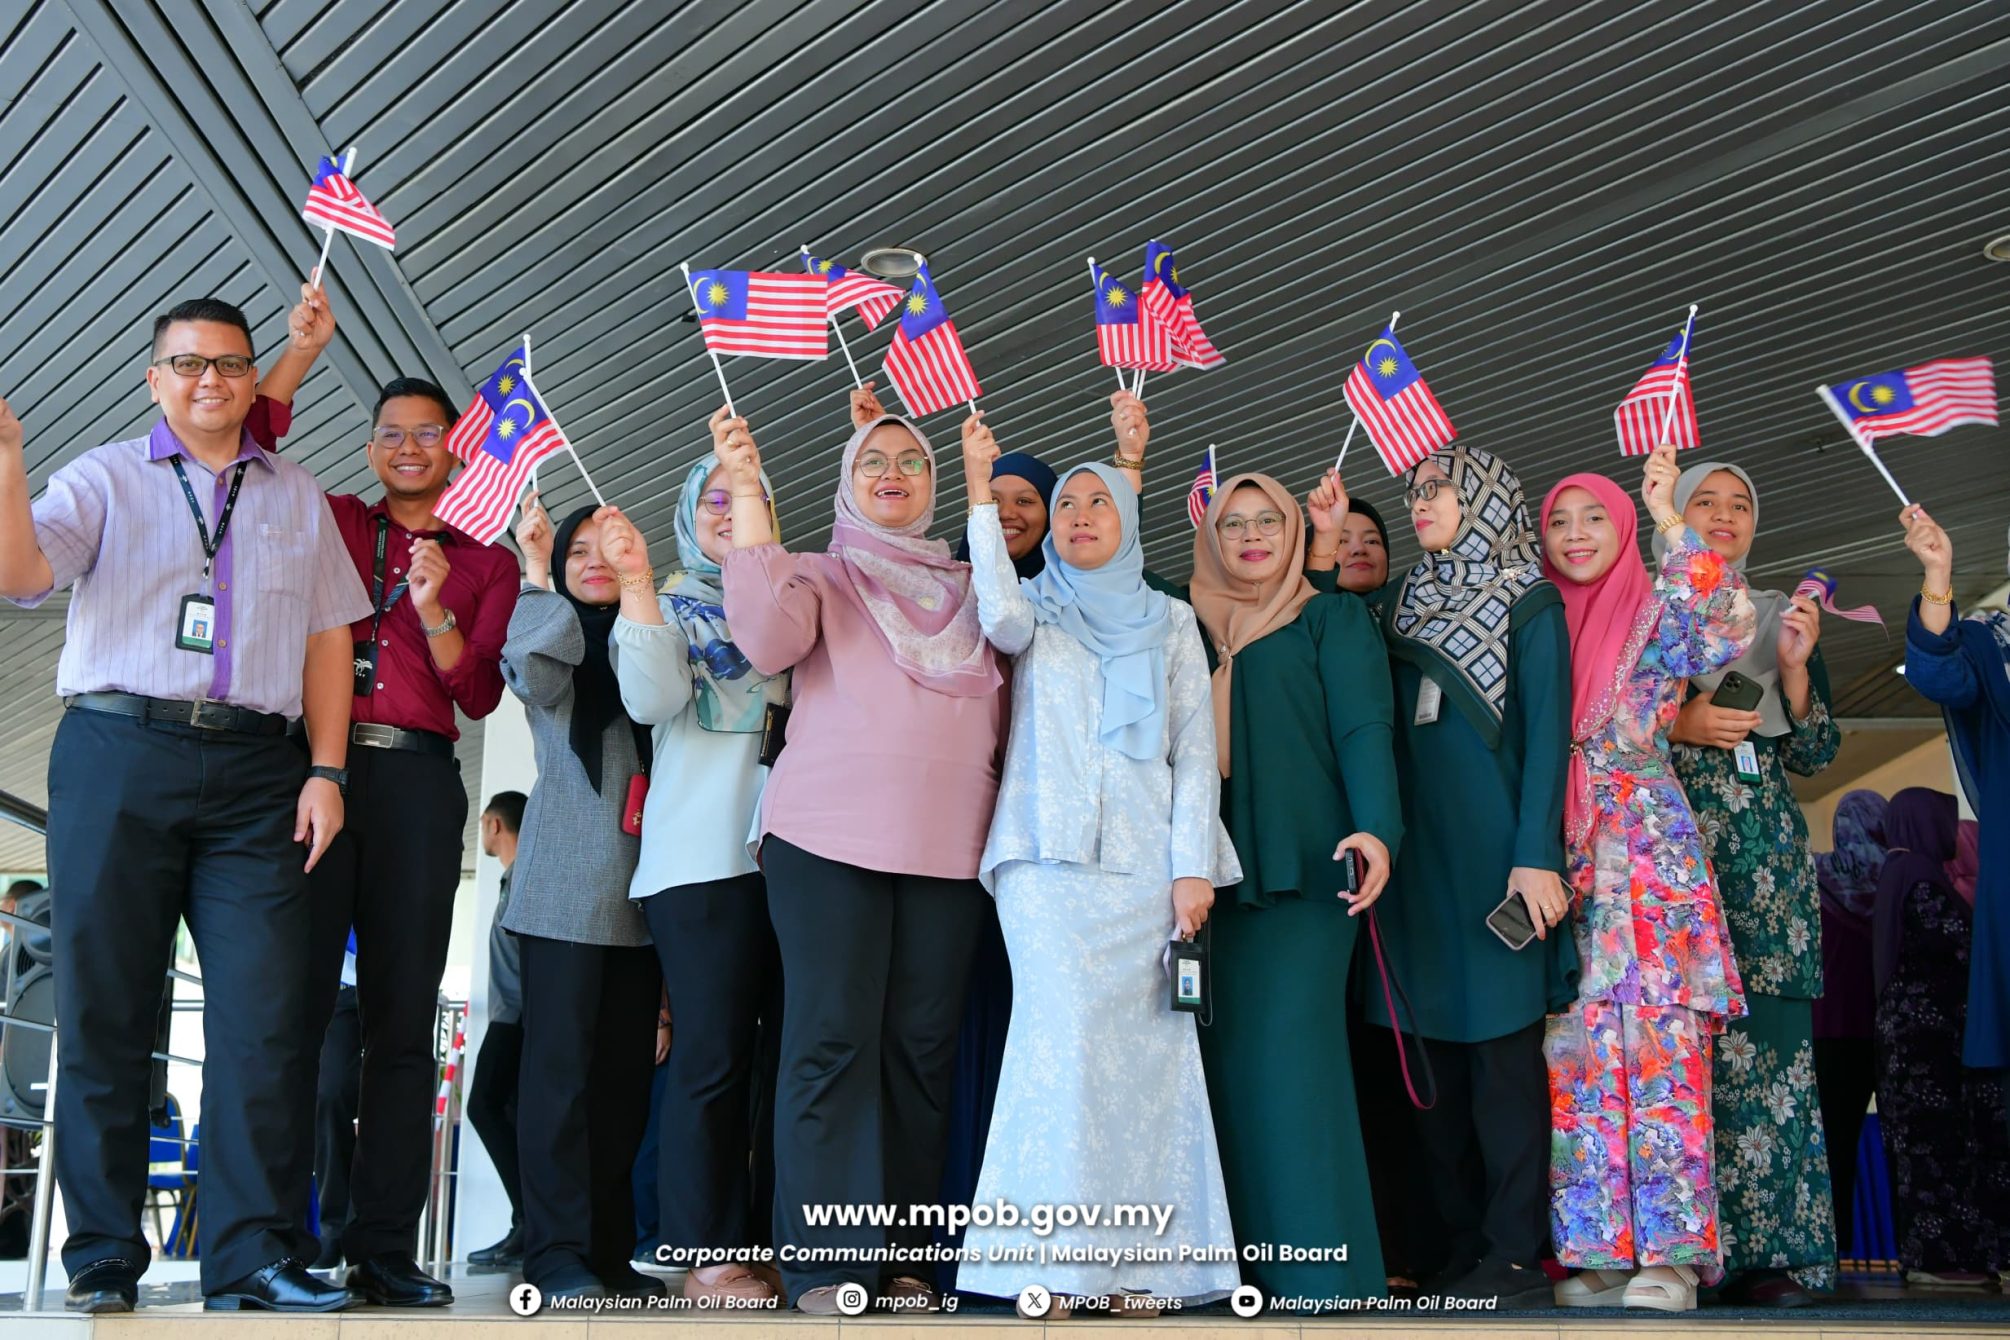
point(590, 981)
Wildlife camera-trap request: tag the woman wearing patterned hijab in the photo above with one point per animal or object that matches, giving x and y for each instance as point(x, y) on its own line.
point(1481, 663)
point(870, 830)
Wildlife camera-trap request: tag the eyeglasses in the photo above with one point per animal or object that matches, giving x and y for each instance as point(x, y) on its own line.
point(390, 439)
point(1263, 523)
point(873, 465)
point(194, 365)
point(1424, 492)
point(719, 502)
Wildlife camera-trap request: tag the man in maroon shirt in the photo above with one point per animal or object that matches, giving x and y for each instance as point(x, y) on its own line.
point(442, 605)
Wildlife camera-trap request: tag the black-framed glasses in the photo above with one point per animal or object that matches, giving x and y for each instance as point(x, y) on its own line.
point(1263, 523)
point(719, 502)
point(873, 465)
point(194, 365)
point(1424, 492)
point(426, 435)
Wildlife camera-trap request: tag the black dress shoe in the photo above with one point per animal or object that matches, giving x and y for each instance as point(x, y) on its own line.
point(109, 1285)
point(1764, 1288)
point(283, 1286)
point(508, 1252)
point(625, 1281)
point(570, 1281)
point(1515, 1286)
point(393, 1279)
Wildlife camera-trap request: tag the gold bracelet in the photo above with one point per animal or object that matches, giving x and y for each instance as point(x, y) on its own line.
point(1944, 598)
point(1671, 525)
point(1314, 553)
point(988, 502)
point(641, 581)
point(755, 494)
point(1128, 462)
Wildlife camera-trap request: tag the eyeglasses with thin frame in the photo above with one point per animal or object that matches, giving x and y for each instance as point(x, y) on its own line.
point(1424, 492)
point(390, 439)
point(873, 465)
point(1263, 523)
point(719, 502)
point(194, 365)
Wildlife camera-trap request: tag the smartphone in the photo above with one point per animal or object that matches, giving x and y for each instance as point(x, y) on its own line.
point(1738, 694)
point(1350, 871)
point(1511, 922)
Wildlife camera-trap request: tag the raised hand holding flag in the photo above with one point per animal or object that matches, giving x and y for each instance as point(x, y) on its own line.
point(501, 437)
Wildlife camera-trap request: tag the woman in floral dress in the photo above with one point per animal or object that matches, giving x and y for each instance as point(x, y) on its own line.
point(1632, 1188)
point(1773, 1199)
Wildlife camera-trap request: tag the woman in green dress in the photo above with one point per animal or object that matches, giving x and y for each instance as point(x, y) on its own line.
point(1481, 663)
point(1776, 1228)
point(1302, 723)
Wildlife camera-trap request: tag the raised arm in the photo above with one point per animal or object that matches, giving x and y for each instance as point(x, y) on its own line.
point(1133, 428)
point(309, 328)
point(1707, 620)
point(1003, 611)
point(545, 646)
point(25, 573)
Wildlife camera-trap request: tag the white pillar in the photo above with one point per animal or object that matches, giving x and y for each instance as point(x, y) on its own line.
point(481, 1209)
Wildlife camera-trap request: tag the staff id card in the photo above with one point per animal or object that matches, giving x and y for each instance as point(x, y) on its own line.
point(1430, 697)
point(197, 630)
point(1746, 755)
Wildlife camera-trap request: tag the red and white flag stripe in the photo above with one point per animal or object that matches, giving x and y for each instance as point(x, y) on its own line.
point(931, 373)
point(1946, 393)
point(1406, 427)
point(485, 494)
point(874, 298)
point(786, 318)
point(336, 203)
point(1640, 416)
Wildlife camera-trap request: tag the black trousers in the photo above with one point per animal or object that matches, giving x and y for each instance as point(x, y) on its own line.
point(335, 1113)
point(1845, 1079)
point(589, 1046)
point(392, 874)
point(724, 972)
point(873, 969)
point(151, 824)
point(1413, 1242)
point(1485, 1147)
point(492, 1107)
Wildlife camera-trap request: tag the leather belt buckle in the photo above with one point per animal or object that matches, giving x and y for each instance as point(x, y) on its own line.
point(374, 735)
point(206, 715)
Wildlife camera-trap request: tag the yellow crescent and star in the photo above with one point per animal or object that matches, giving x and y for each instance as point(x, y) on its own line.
point(1162, 263)
point(1113, 293)
point(917, 304)
point(505, 379)
point(1387, 365)
point(1879, 391)
point(507, 427)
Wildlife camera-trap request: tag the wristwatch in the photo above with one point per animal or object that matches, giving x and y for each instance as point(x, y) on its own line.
point(339, 776)
point(446, 626)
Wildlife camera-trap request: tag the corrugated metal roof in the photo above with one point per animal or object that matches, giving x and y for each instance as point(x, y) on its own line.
point(1542, 191)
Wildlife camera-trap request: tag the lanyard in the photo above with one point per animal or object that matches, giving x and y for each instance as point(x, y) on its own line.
point(210, 546)
point(379, 604)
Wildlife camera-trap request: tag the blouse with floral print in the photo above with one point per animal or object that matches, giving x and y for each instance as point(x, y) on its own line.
point(1649, 927)
point(1757, 841)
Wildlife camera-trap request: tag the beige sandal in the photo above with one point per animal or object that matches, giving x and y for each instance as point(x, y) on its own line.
point(1663, 1289)
point(1593, 1288)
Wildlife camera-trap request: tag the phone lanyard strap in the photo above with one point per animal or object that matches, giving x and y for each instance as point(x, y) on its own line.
point(379, 605)
point(1392, 988)
point(210, 547)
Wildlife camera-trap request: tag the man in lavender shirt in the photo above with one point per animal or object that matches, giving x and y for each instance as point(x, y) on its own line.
point(211, 603)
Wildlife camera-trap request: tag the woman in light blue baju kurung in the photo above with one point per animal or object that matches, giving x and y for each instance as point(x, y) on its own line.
point(1110, 794)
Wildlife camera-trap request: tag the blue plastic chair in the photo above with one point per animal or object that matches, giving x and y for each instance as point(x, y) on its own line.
point(181, 1244)
point(168, 1177)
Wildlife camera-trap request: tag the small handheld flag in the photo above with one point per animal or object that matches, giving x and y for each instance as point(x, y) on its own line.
point(1924, 401)
point(874, 298)
point(502, 436)
point(1202, 493)
point(762, 313)
point(926, 362)
point(1819, 587)
point(1661, 407)
point(334, 203)
point(1126, 337)
point(1389, 397)
point(1168, 303)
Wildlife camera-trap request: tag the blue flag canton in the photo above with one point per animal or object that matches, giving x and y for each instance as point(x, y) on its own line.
point(1115, 304)
point(720, 294)
point(1677, 348)
point(830, 270)
point(1869, 397)
point(329, 168)
point(515, 406)
point(1159, 265)
point(921, 310)
point(1389, 369)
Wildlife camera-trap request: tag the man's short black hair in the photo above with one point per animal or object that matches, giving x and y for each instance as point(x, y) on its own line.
point(419, 386)
point(202, 309)
point(506, 805)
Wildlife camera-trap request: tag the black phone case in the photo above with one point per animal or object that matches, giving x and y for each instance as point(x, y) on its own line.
point(1738, 694)
point(1512, 918)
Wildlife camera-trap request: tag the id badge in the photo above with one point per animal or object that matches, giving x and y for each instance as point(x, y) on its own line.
point(1747, 759)
point(197, 630)
point(1188, 960)
point(1429, 698)
point(365, 667)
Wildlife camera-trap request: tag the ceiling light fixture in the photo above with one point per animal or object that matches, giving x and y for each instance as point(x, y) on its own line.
point(1997, 248)
point(892, 262)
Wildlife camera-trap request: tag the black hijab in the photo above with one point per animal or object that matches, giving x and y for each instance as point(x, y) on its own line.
point(1361, 507)
point(596, 695)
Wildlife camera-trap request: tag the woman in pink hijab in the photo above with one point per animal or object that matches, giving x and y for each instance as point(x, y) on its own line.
point(1633, 1201)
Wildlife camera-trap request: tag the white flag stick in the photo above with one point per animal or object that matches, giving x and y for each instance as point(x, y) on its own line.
point(685, 266)
point(1138, 385)
point(1835, 408)
point(328, 236)
point(594, 488)
point(835, 330)
point(1394, 317)
point(526, 377)
point(1681, 375)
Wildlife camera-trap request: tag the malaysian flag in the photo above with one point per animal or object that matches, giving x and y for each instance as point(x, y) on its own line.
point(1389, 397)
point(1643, 416)
point(502, 437)
point(874, 298)
point(1125, 336)
point(1202, 493)
point(763, 313)
point(334, 202)
point(1924, 401)
point(926, 362)
point(1172, 307)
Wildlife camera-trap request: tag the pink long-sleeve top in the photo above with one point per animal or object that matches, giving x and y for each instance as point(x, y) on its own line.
point(879, 772)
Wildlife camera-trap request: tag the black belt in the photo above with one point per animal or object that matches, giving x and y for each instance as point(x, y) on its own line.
point(372, 736)
point(203, 715)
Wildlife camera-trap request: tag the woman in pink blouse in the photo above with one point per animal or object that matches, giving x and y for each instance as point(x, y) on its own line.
point(870, 831)
point(1632, 1192)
